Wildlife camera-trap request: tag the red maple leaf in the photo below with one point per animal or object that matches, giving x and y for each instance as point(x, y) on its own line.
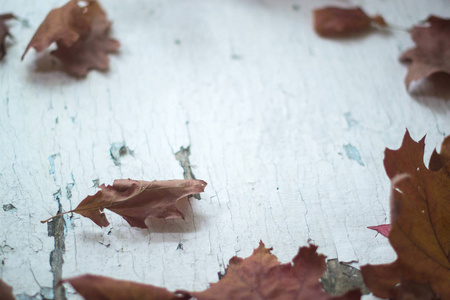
point(420, 228)
point(260, 276)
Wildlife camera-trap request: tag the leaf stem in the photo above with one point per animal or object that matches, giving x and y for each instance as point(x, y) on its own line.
point(60, 214)
point(390, 27)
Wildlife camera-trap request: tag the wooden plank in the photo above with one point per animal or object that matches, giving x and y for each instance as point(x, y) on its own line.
point(288, 129)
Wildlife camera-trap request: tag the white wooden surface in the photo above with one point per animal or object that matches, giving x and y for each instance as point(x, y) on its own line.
point(274, 115)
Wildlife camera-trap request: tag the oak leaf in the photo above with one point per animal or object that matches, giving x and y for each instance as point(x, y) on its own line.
point(262, 276)
point(382, 229)
point(420, 228)
point(80, 30)
point(338, 22)
point(4, 32)
point(6, 291)
point(93, 287)
point(432, 52)
point(136, 201)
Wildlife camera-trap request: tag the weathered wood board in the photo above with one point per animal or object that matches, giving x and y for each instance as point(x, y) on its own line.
point(287, 128)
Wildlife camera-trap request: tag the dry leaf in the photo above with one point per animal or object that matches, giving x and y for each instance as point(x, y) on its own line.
point(337, 22)
point(420, 228)
point(437, 161)
point(136, 200)
point(4, 32)
point(432, 52)
point(81, 34)
point(6, 291)
point(382, 229)
point(93, 287)
point(261, 276)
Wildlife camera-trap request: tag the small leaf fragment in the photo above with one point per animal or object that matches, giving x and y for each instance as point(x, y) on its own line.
point(93, 287)
point(438, 160)
point(4, 32)
point(339, 22)
point(382, 229)
point(81, 34)
point(6, 291)
point(137, 200)
point(432, 52)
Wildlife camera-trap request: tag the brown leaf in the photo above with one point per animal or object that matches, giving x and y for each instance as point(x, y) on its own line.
point(437, 161)
point(4, 32)
point(420, 228)
point(136, 201)
point(81, 34)
point(261, 276)
point(6, 291)
point(338, 22)
point(432, 52)
point(93, 287)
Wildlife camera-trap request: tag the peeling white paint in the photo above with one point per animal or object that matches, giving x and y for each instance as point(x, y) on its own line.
point(264, 98)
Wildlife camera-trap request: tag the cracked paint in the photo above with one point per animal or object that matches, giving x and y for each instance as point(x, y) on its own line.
point(69, 188)
point(57, 230)
point(340, 278)
point(51, 161)
point(46, 293)
point(180, 246)
point(118, 150)
point(183, 157)
point(350, 121)
point(9, 207)
point(353, 153)
point(96, 182)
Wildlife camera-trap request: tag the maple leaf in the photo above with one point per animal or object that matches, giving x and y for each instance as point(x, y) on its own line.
point(137, 200)
point(6, 291)
point(432, 52)
point(382, 229)
point(81, 34)
point(338, 22)
point(420, 228)
point(4, 32)
point(437, 161)
point(262, 276)
point(93, 287)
